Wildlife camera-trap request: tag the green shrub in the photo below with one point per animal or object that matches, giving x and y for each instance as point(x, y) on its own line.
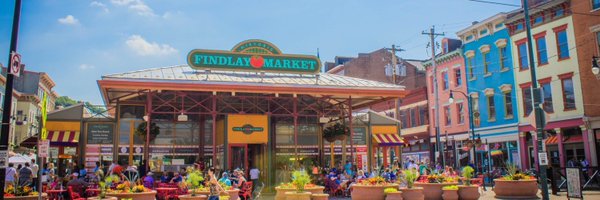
point(300, 179)
point(410, 177)
point(450, 187)
point(467, 173)
point(390, 190)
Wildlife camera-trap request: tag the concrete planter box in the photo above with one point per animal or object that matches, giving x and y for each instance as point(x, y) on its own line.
point(233, 194)
point(105, 198)
point(190, 197)
point(450, 195)
point(280, 192)
point(315, 190)
point(320, 196)
point(468, 192)
point(433, 191)
point(297, 196)
point(134, 196)
point(393, 196)
point(44, 196)
point(415, 193)
point(521, 189)
point(370, 192)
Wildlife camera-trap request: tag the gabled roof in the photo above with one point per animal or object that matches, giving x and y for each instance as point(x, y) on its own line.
point(185, 74)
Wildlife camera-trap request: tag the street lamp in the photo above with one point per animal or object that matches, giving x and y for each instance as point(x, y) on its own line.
point(595, 67)
point(473, 141)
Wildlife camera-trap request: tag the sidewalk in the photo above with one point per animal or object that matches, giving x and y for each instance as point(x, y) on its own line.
point(490, 195)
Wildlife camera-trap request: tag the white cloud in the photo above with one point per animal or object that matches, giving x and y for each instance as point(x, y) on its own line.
point(68, 20)
point(144, 48)
point(99, 5)
point(137, 6)
point(86, 67)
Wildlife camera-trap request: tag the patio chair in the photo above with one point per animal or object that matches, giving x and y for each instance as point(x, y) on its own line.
point(246, 191)
point(74, 195)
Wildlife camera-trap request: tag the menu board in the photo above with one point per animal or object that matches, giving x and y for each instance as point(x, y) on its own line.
point(573, 182)
point(100, 133)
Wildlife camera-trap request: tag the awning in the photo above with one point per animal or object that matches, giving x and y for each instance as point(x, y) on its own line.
point(30, 142)
point(388, 139)
point(63, 138)
point(566, 139)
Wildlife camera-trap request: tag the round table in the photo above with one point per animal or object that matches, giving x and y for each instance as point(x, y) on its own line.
point(165, 192)
point(55, 194)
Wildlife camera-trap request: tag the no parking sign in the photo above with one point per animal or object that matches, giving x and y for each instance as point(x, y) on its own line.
point(15, 64)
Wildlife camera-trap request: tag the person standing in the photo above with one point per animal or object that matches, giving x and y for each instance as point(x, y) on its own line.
point(254, 175)
point(51, 172)
point(142, 168)
point(11, 174)
point(34, 170)
point(25, 175)
point(215, 188)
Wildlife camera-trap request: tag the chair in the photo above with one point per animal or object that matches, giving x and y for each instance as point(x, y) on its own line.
point(332, 188)
point(74, 195)
point(246, 191)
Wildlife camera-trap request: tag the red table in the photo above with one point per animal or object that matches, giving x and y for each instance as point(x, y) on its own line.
point(163, 192)
point(55, 194)
point(92, 192)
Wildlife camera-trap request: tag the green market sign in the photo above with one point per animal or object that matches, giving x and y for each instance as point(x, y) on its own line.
point(253, 55)
point(248, 129)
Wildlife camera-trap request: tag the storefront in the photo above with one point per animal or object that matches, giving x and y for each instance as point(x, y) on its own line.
point(249, 107)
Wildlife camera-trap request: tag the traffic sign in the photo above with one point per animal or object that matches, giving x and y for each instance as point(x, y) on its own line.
point(15, 65)
point(44, 147)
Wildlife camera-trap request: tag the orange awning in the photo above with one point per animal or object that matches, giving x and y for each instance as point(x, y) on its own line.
point(388, 139)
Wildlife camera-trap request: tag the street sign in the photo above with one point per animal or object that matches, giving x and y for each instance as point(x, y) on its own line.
point(543, 157)
point(44, 147)
point(3, 159)
point(15, 65)
point(574, 182)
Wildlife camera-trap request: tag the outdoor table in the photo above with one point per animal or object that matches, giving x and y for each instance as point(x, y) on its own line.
point(164, 193)
point(55, 194)
point(92, 192)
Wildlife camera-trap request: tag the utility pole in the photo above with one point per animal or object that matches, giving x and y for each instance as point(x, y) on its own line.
point(397, 101)
point(539, 113)
point(432, 34)
point(6, 118)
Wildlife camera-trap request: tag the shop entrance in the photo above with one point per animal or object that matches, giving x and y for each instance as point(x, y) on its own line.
point(246, 157)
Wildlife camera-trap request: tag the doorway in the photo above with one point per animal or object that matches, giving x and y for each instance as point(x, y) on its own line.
point(247, 156)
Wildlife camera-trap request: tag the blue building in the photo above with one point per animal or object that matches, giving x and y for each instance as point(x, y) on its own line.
point(491, 87)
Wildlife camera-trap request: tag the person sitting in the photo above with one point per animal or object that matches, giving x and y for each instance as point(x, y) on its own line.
point(241, 183)
point(165, 178)
point(177, 178)
point(77, 183)
point(225, 179)
point(149, 181)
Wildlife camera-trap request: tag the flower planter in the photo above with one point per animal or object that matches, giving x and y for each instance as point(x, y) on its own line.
point(393, 196)
point(134, 196)
point(31, 197)
point(370, 192)
point(315, 190)
point(433, 191)
point(280, 192)
point(450, 195)
point(415, 193)
point(105, 198)
point(233, 194)
point(297, 196)
point(190, 197)
point(468, 192)
point(320, 196)
point(521, 189)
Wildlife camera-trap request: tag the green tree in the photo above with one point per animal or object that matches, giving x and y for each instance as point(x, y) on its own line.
point(65, 101)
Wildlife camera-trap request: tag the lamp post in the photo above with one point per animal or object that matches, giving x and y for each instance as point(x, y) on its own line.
point(471, 125)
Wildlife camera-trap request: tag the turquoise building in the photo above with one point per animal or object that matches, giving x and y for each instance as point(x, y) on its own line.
point(491, 88)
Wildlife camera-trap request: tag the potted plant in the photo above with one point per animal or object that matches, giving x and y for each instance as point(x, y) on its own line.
point(450, 192)
point(231, 192)
point(21, 193)
point(515, 185)
point(131, 190)
point(337, 131)
point(299, 180)
point(392, 194)
point(411, 192)
point(371, 188)
point(141, 130)
point(193, 182)
point(432, 187)
point(468, 191)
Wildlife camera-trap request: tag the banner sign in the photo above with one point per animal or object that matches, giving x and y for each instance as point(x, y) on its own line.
point(100, 133)
point(574, 182)
point(253, 55)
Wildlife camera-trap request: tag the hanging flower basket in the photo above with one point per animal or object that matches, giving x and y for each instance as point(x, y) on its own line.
point(337, 131)
point(141, 130)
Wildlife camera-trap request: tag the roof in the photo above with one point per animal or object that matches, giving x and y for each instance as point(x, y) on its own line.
point(183, 74)
point(501, 15)
point(417, 64)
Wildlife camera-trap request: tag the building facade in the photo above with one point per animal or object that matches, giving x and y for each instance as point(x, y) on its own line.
point(491, 87)
point(558, 77)
point(453, 116)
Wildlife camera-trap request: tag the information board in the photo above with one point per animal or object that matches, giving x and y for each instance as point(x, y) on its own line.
point(574, 182)
point(100, 133)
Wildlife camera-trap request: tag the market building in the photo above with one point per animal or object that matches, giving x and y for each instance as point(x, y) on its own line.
point(449, 78)
point(559, 79)
point(249, 107)
point(491, 89)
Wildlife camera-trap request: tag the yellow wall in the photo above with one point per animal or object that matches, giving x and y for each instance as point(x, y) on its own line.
point(384, 129)
point(220, 132)
point(256, 137)
point(552, 69)
point(63, 126)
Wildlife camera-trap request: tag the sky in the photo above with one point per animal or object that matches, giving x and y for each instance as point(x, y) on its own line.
point(78, 41)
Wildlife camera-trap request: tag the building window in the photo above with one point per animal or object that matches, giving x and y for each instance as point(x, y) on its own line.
point(413, 118)
point(447, 115)
point(499, 26)
point(491, 108)
point(562, 44)
point(547, 97)
point(522, 50)
point(483, 32)
point(457, 77)
point(503, 58)
point(559, 12)
point(469, 38)
point(486, 63)
point(508, 105)
point(568, 94)
point(519, 27)
point(423, 115)
point(470, 67)
point(527, 103)
point(445, 77)
point(475, 103)
point(461, 112)
point(595, 4)
point(538, 20)
point(541, 50)
point(598, 40)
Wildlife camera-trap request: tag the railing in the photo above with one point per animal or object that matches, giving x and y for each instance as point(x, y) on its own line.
point(590, 176)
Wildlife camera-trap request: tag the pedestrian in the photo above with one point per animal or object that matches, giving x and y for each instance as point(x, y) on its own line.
point(34, 170)
point(112, 167)
point(254, 175)
point(82, 171)
point(25, 175)
point(585, 165)
point(10, 175)
point(51, 172)
point(214, 186)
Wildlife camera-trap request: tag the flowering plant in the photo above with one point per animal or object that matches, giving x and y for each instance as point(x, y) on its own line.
point(450, 187)
point(11, 191)
point(194, 180)
point(373, 181)
point(513, 175)
point(300, 179)
point(127, 187)
point(390, 190)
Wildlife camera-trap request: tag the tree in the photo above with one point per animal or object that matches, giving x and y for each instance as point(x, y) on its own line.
point(65, 101)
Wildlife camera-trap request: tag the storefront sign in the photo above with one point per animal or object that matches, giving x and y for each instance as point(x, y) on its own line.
point(100, 133)
point(574, 182)
point(44, 148)
point(543, 157)
point(253, 55)
point(247, 129)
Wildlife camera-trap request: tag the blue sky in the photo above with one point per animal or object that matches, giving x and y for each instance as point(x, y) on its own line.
point(78, 41)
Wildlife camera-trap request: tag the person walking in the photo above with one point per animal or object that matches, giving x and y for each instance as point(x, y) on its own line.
point(34, 170)
point(11, 174)
point(254, 175)
point(214, 186)
point(25, 175)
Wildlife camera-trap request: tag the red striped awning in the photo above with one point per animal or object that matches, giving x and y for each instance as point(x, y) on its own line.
point(566, 139)
point(61, 137)
point(388, 139)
